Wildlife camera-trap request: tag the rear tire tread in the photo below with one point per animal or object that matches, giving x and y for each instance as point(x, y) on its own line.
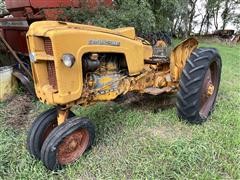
point(188, 96)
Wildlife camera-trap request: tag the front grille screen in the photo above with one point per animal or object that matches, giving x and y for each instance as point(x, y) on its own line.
point(52, 74)
point(48, 46)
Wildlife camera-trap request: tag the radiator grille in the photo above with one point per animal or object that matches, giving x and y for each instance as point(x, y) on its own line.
point(52, 74)
point(48, 46)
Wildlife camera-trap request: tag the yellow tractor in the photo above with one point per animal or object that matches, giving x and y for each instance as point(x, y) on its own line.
point(75, 64)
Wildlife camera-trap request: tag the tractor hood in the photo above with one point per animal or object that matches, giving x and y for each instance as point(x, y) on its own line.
point(48, 26)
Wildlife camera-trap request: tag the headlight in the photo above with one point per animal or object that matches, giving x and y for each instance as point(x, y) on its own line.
point(32, 57)
point(68, 60)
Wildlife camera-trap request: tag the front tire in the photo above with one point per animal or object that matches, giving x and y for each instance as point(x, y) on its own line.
point(67, 143)
point(198, 86)
point(40, 129)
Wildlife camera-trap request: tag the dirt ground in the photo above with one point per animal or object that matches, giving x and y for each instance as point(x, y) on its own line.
point(17, 110)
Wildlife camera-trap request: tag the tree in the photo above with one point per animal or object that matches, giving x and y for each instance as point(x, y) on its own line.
point(176, 16)
point(203, 15)
point(164, 13)
point(236, 21)
point(216, 8)
point(170, 15)
point(229, 11)
point(123, 13)
point(191, 14)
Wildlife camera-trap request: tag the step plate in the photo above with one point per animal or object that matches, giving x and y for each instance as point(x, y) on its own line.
point(157, 91)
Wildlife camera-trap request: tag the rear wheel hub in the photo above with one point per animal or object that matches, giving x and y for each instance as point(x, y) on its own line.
point(210, 89)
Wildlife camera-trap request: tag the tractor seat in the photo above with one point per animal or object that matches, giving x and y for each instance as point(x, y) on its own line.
point(128, 32)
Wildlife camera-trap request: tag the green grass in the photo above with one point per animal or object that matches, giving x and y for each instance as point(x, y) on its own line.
point(134, 142)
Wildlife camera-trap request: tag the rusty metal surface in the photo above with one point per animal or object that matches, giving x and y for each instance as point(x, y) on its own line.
point(227, 33)
point(14, 31)
point(72, 146)
point(48, 46)
point(52, 74)
point(209, 90)
point(62, 115)
point(16, 57)
point(157, 91)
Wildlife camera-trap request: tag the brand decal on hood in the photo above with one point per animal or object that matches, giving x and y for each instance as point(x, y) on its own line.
point(103, 42)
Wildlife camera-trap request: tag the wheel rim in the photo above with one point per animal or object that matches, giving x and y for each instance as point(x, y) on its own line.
point(209, 90)
point(72, 146)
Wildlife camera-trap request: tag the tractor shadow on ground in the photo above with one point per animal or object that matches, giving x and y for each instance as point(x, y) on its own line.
point(154, 104)
point(110, 118)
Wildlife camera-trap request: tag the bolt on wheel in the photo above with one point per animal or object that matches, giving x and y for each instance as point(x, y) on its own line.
point(72, 146)
point(198, 85)
point(67, 143)
point(208, 92)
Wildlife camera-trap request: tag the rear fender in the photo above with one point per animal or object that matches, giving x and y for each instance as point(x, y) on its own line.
point(179, 56)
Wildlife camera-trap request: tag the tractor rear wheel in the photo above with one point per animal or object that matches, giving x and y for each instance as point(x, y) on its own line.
point(198, 86)
point(67, 143)
point(40, 129)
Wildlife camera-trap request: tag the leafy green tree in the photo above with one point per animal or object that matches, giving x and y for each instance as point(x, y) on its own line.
point(165, 13)
point(175, 16)
point(123, 13)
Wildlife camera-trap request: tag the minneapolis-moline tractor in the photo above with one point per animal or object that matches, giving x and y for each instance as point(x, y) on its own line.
point(75, 64)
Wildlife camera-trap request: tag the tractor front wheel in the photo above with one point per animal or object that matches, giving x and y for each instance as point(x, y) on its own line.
point(67, 143)
point(40, 129)
point(198, 86)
